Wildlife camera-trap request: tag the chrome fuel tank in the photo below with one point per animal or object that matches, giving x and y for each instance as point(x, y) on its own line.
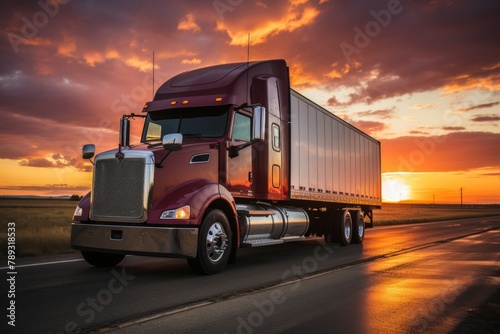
point(263, 222)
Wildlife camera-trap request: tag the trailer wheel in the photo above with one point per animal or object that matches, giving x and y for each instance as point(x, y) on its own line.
point(102, 259)
point(358, 226)
point(214, 244)
point(343, 227)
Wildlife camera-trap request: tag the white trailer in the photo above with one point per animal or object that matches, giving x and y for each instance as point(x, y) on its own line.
point(331, 160)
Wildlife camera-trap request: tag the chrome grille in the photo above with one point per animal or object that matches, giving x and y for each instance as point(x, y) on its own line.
point(121, 189)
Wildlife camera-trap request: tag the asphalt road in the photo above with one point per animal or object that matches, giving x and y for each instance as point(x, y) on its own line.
point(403, 279)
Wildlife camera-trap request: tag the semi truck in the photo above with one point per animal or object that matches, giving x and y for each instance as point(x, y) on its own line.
point(230, 157)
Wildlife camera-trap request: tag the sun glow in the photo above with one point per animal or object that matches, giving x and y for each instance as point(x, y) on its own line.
point(394, 190)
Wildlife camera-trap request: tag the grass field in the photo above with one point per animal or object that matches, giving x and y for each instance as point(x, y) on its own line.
point(392, 214)
point(43, 226)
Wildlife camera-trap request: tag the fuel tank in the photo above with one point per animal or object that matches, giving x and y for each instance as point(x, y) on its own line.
point(261, 223)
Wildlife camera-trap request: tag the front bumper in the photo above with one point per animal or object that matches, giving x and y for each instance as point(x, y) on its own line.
point(137, 240)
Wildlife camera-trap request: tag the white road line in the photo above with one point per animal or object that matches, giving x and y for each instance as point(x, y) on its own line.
point(41, 264)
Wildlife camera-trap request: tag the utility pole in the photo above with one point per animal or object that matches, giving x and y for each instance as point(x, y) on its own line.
point(461, 198)
point(153, 74)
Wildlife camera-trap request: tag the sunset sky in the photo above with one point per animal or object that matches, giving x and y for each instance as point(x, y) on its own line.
point(423, 77)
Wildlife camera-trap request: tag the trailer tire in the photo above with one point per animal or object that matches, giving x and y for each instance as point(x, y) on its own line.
point(98, 259)
point(214, 244)
point(343, 227)
point(358, 227)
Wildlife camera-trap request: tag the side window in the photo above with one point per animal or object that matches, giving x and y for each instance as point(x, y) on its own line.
point(276, 137)
point(241, 127)
point(154, 131)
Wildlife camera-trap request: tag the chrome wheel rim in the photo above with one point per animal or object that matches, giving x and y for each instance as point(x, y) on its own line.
point(347, 229)
point(216, 243)
point(361, 228)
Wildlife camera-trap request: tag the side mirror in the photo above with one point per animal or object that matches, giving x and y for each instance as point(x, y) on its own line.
point(172, 142)
point(259, 123)
point(88, 151)
point(124, 132)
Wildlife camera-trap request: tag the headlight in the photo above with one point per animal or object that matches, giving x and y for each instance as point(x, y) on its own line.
point(180, 213)
point(78, 211)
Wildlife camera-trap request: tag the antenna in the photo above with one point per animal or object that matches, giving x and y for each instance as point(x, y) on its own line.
point(248, 61)
point(248, 48)
point(153, 74)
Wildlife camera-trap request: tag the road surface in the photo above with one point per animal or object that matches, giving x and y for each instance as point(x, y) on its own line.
point(403, 279)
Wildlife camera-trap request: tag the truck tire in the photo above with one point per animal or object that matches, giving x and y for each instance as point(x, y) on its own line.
point(343, 227)
point(358, 227)
point(214, 244)
point(102, 259)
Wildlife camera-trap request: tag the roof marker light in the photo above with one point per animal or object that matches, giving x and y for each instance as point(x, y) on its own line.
point(218, 99)
point(173, 103)
point(185, 102)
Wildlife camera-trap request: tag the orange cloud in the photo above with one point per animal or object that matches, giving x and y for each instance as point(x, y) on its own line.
point(67, 48)
point(298, 77)
point(469, 81)
point(191, 61)
point(141, 64)
point(188, 24)
point(292, 20)
point(92, 58)
point(450, 152)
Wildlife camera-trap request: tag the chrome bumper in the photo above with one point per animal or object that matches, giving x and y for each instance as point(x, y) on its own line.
point(138, 240)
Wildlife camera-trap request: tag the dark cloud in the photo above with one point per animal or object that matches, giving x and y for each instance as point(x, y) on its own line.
point(495, 175)
point(369, 127)
point(418, 132)
point(453, 128)
point(67, 81)
point(428, 45)
point(58, 162)
point(383, 114)
point(482, 106)
point(486, 118)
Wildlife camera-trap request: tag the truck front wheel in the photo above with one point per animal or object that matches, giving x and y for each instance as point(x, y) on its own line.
point(102, 259)
point(214, 244)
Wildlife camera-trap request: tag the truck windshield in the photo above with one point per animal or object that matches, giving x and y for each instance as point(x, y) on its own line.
point(191, 122)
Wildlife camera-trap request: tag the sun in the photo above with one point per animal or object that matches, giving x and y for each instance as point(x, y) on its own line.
point(395, 190)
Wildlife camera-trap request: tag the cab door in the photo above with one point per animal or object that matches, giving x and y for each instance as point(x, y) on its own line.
point(239, 171)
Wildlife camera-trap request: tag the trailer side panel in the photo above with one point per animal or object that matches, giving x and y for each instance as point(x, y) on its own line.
point(331, 161)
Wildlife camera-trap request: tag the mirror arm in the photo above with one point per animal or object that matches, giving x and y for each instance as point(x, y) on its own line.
point(234, 150)
point(159, 164)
